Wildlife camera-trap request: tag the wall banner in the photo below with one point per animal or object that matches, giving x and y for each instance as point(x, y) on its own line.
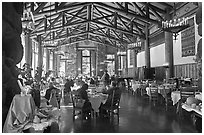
point(188, 40)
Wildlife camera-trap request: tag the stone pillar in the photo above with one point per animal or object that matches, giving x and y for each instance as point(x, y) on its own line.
point(28, 49)
point(97, 62)
point(54, 62)
point(126, 63)
point(135, 63)
point(116, 63)
point(79, 61)
point(93, 61)
point(65, 63)
point(169, 52)
point(40, 56)
point(90, 64)
point(57, 65)
point(147, 49)
point(47, 60)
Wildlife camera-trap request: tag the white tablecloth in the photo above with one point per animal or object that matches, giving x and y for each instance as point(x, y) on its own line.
point(175, 96)
point(96, 100)
point(161, 91)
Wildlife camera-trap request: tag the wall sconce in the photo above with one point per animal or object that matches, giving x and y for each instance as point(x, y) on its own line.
point(166, 65)
point(121, 53)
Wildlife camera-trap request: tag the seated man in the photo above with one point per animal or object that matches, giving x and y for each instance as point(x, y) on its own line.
point(110, 95)
point(50, 91)
point(83, 95)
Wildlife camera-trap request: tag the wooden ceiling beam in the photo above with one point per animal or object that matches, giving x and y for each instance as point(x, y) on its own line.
point(64, 8)
point(125, 17)
point(73, 16)
point(156, 14)
point(138, 8)
point(55, 20)
point(71, 34)
point(40, 7)
point(154, 7)
point(123, 23)
point(118, 29)
point(106, 36)
point(149, 20)
point(100, 12)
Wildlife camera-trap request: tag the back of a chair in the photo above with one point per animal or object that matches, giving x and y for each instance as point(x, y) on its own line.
point(154, 92)
point(115, 101)
point(76, 100)
point(186, 92)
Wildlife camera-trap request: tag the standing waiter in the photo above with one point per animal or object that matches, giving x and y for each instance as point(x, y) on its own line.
point(67, 88)
point(105, 78)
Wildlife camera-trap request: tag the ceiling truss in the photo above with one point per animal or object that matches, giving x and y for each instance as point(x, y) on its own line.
point(116, 24)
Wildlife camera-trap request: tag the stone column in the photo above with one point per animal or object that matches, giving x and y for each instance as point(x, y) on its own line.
point(90, 64)
point(147, 49)
point(28, 49)
point(93, 61)
point(126, 64)
point(40, 56)
point(169, 52)
point(79, 61)
point(47, 60)
point(135, 62)
point(57, 64)
point(54, 62)
point(116, 63)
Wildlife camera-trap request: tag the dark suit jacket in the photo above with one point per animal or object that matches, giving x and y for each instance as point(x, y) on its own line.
point(110, 94)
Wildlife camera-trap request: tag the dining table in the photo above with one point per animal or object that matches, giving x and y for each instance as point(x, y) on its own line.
point(96, 99)
point(163, 90)
point(21, 112)
point(175, 96)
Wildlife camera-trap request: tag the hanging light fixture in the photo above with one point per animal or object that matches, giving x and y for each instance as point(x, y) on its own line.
point(175, 25)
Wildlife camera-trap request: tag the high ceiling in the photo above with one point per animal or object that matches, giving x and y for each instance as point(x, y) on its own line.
point(111, 23)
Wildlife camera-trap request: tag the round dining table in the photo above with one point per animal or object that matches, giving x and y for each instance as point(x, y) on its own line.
point(96, 99)
point(161, 90)
point(175, 96)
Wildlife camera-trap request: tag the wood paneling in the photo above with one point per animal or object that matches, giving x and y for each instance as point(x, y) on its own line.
point(186, 70)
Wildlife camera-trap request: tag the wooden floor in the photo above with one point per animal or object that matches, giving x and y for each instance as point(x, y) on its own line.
point(137, 115)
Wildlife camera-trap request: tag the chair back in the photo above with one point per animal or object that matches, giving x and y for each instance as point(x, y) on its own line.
point(186, 92)
point(76, 100)
point(154, 92)
point(115, 101)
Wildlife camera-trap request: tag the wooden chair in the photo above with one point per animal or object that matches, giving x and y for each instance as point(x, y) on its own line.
point(114, 107)
point(78, 105)
point(185, 92)
point(153, 94)
point(168, 100)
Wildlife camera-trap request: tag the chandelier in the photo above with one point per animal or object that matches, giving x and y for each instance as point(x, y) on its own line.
point(175, 25)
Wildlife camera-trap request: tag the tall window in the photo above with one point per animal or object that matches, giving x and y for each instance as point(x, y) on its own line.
point(86, 62)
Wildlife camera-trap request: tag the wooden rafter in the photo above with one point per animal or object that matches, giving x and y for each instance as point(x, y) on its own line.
point(139, 9)
point(40, 7)
point(128, 13)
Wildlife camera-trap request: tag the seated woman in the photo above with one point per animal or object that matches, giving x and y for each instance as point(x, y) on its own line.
point(112, 88)
point(86, 109)
point(49, 92)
